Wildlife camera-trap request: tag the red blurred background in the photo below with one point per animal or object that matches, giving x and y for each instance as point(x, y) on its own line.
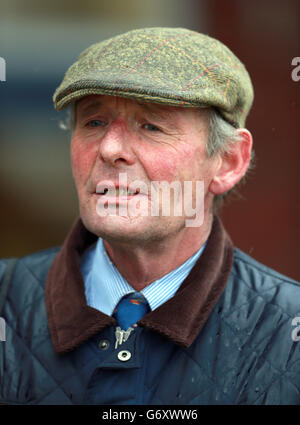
point(266, 37)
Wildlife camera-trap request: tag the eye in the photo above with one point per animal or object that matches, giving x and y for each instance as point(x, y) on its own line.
point(95, 123)
point(150, 127)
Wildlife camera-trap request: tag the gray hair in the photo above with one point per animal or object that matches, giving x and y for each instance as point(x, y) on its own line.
point(68, 123)
point(222, 136)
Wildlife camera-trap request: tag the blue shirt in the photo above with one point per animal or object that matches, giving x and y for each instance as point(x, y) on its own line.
point(105, 286)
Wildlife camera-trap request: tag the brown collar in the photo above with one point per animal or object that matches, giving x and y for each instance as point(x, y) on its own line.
point(71, 321)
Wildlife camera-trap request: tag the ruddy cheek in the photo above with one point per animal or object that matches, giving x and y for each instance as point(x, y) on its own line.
point(161, 168)
point(169, 164)
point(82, 160)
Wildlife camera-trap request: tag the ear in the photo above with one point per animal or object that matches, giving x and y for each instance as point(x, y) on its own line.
point(233, 165)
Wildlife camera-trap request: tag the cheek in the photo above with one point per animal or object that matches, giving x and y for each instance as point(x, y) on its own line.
point(82, 157)
point(171, 164)
point(160, 166)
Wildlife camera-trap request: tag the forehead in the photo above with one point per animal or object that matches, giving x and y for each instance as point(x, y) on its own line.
point(92, 103)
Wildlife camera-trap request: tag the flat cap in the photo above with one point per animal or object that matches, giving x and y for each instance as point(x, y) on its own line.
point(169, 66)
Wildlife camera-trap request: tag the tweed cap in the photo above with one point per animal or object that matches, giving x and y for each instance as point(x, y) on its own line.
point(169, 66)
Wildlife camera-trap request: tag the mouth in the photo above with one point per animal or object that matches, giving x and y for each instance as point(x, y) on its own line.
point(116, 192)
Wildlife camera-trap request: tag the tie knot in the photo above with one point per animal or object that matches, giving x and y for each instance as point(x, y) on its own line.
point(130, 309)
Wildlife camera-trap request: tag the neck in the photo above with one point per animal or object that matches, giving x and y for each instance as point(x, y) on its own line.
point(142, 265)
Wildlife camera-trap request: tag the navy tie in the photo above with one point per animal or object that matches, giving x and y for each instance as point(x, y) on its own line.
point(130, 309)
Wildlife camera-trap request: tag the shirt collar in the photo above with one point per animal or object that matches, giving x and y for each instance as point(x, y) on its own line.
point(105, 286)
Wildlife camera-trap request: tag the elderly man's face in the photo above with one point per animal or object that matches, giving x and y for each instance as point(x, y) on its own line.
point(148, 142)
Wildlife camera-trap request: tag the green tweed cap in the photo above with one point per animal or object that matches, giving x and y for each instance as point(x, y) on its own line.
point(169, 66)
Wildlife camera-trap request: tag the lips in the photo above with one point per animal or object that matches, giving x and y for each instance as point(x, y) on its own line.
point(109, 189)
point(119, 192)
point(113, 191)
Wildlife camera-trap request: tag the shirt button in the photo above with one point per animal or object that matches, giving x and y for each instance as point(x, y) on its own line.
point(124, 355)
point(104, 344)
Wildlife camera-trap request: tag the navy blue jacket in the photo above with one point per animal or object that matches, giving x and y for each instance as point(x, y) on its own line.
point(224, 338)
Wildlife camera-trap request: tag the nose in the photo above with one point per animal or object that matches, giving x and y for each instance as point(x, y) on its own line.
point(115, 146)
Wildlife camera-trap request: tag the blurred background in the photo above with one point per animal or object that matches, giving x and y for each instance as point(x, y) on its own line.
point(40, 40)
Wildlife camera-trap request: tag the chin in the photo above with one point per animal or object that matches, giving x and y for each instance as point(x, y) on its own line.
point(137, 230)
point(114, 226)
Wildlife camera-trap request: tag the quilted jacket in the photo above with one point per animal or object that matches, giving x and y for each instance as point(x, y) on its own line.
point(226, 337)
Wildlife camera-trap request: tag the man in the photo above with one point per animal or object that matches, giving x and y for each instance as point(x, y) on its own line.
point(147, 301)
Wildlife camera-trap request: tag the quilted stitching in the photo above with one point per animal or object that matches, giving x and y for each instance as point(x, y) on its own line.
point(224, 382)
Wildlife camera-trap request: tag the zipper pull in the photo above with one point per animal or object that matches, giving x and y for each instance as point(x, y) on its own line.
point(122, 336)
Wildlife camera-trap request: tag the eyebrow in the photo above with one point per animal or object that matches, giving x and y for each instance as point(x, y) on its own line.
point(90, 107)
point(160, 116)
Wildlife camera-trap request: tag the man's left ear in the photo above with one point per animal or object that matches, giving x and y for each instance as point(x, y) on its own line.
point(233, 165)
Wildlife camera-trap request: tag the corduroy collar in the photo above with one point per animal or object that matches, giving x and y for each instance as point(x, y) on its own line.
point(71, 321)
